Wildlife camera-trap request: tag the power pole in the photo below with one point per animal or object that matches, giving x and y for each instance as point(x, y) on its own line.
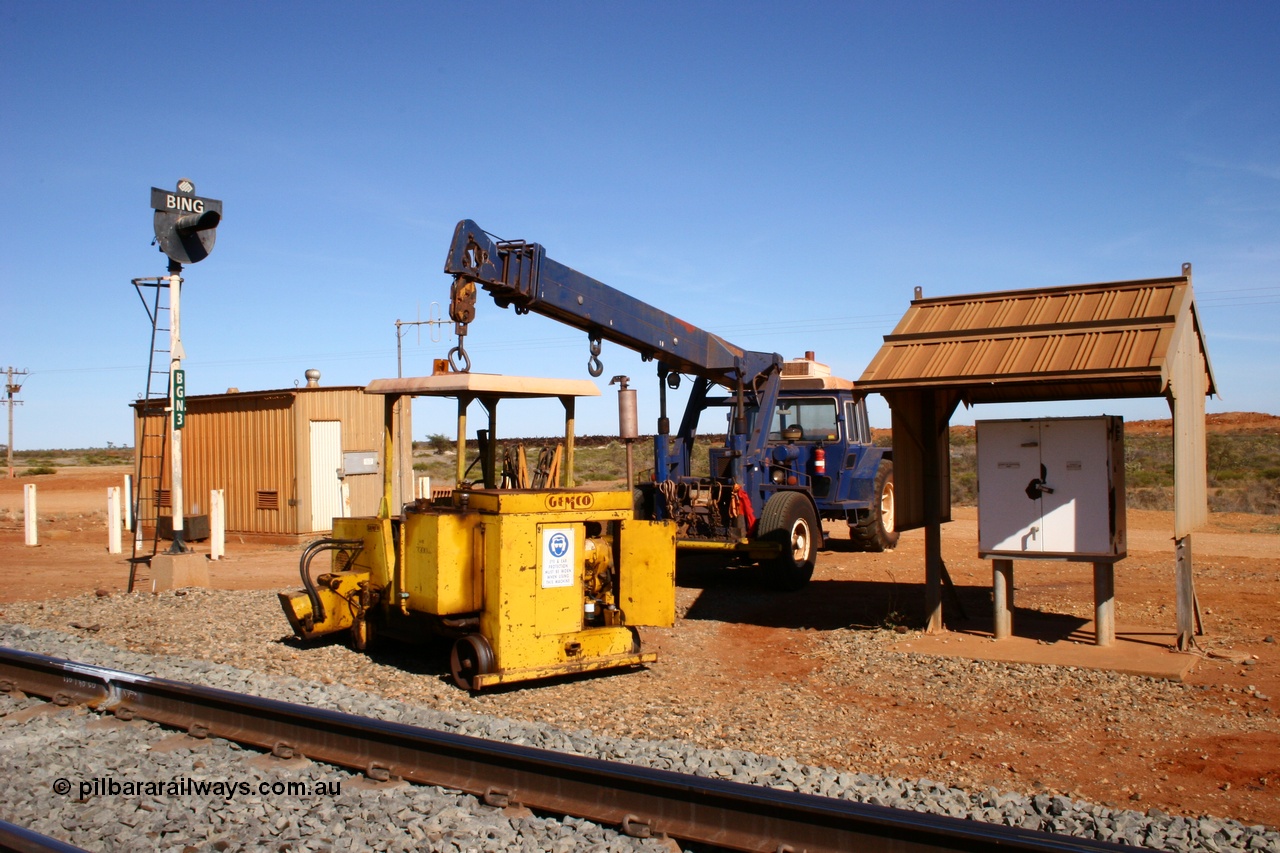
point(435, 322)
point(12, 388)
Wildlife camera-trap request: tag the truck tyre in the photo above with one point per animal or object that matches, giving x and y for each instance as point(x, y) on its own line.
point(639, 504)
point(788, 519)
point(878, 531)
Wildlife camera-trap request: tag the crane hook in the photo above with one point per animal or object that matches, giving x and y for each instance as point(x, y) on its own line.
point(594, 365)
point(462, 354)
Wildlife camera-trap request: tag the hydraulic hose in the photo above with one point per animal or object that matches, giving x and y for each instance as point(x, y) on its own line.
point(304, 567)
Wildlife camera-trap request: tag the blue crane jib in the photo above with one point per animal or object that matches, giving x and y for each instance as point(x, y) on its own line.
point(519, 273)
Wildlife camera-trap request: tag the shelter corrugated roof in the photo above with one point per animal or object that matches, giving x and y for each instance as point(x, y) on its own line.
point(1087, 341)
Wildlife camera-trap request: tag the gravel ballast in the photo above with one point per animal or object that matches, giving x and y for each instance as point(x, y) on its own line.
point(413, 817)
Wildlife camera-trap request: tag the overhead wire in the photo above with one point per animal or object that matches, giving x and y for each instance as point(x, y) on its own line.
point(1227, 298)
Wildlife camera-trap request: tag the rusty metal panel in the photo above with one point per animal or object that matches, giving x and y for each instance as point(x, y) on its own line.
point(254, 446)
point(1083, 341)
point(241, 443)
point(1076, 304)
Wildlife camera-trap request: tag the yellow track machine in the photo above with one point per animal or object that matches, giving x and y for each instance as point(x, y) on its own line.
point(530, 582)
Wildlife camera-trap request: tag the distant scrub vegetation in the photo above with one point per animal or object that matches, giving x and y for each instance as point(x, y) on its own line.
point(1243, 468)
point(35, 463)
point(1244, 471)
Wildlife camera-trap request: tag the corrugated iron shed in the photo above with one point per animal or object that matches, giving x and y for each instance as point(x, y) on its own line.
point(1080, 342)
point(259, 448)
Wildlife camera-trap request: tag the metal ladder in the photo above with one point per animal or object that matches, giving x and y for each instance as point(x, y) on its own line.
point(152, 411)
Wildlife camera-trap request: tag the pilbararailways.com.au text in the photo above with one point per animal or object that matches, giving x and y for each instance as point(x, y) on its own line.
point(184, 786)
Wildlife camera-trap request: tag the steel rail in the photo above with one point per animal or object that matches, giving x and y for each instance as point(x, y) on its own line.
point(21, 840)
point(641, 801)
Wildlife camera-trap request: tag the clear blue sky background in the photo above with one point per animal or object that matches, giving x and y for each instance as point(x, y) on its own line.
point(782, 174)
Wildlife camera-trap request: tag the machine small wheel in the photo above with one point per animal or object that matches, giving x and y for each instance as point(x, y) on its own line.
point(471, 656)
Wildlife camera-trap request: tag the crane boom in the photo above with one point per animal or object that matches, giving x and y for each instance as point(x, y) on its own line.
point(519, 273)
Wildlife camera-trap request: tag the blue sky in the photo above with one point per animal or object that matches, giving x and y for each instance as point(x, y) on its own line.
point(782, 174)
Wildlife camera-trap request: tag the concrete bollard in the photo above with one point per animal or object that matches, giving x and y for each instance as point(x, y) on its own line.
point(128, 502)
point(29, 513)
point(217, 524)
point(113, 520)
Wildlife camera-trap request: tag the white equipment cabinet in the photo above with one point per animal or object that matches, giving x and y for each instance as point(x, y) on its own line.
point(1052, 489)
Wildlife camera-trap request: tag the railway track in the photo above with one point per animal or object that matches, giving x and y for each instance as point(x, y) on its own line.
point(641, 802)
point(20, 840)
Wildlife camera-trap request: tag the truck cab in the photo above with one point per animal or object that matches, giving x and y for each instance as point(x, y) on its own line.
point(820, 435)
point(819, 442)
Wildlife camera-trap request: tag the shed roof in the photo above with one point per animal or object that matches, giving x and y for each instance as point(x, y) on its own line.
point(233, 395)
point(1108, 340)
point(477, 384)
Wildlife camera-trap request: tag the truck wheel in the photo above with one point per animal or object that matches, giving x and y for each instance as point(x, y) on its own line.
point(878, 531)
point(639, 503)
point(471, 656)
point(788, 519)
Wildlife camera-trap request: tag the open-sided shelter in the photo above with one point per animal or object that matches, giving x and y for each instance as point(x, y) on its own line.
point(1092, 341)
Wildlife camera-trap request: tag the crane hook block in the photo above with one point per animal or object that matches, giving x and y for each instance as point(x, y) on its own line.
point(462, 300)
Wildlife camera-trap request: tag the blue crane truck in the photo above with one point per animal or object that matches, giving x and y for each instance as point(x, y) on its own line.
point(797, 447)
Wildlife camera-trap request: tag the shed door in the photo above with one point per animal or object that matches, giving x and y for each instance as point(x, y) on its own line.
point(326, 461)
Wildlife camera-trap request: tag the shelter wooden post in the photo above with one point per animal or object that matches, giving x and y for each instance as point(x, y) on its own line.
point(932, 524)
point(1186, 593)
point(460, 470)
point(922, 478)
point(1104, 604)
point(1002, 595)
point(386, 507)
point(403, 493)
point(1189, 383)
point(492, 471)
point(570, 407)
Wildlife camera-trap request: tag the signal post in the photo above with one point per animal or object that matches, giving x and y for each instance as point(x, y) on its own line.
point(185, 230)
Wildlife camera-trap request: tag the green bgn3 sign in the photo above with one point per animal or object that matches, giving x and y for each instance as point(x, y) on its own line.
point(179, 399)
